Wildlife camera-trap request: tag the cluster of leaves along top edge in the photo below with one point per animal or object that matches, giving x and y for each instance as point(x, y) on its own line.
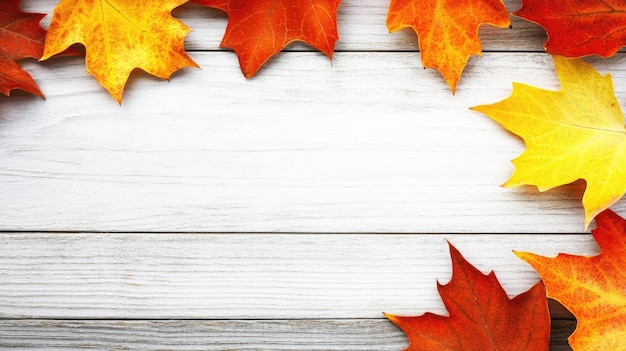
point(123, 34)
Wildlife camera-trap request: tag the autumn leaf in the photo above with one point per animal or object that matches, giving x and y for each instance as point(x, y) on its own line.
point(21, 36)
point(119, 36)
point(447, 30)
point(579, 28)
point(257, 30)
point(575, 133)
point(482, 316)
point(592, 288)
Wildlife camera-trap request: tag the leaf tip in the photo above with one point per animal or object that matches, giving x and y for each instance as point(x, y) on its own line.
point(519, 254)
point(509, 184)
point(479, 108)
point(527, 257)
point(452, 83)
point(393, 318)
point(587, 222)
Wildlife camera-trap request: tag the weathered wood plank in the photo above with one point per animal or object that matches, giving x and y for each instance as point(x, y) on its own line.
point(251, 276)
point(174, 335)
point(372, 144)
point(361, 24)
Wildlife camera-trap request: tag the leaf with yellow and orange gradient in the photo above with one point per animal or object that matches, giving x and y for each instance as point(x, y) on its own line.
point(447, 30)
point(120, 36)
point(592, 288)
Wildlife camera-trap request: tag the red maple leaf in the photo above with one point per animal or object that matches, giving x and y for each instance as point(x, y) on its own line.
point(21, 36)
point(259, 29)
point(482, 317)
point(578, 28)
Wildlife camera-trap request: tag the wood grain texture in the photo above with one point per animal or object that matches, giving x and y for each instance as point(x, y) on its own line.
point(179, 335)
point(251, 276)
point(372, 144)
point(361, 25)
point(261, 194)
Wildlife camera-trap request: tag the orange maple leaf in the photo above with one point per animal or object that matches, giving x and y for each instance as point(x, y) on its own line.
point(482, 317)
point(447, 30)
point(21, 36)
point(579, 28)
point(259, 29)
point(119, 36)
point(592, 288)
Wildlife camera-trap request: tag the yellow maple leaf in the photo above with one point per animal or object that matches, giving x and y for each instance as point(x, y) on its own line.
point(119, 36)
point(574, 133)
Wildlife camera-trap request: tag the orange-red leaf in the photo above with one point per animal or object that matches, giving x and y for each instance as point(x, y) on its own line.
point(578, 28)
point(592, 288)
point(21, 36)
point(259, 29)
point(482, 317)
point(119, 36)
point(447, 30)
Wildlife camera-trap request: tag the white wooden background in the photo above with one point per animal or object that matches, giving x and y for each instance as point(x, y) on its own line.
point(283, 212)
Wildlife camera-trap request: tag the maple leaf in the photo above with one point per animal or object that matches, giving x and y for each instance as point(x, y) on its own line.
point(592, 288)
point(579, 28)
point(447, 30)
point(482, 316)
point(575, 133)
point(119, 36)
point(21, 36)
point(257, 30)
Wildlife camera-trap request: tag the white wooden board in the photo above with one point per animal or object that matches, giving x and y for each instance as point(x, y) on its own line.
point(265, 335)
point(282, 212)
point(251, 276)
point(372, 144)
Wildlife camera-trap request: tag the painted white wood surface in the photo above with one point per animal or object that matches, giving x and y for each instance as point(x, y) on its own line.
point(287, 209)
point(258, 335)
point(372, 144)
point(251, 276)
